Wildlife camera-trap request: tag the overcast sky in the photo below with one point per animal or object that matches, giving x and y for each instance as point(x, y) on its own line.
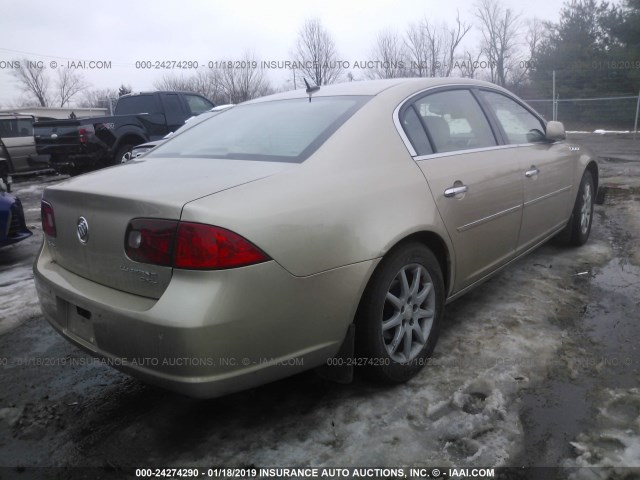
point(123, 32)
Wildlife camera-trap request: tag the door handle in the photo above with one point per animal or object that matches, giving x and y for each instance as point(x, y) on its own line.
point(457, 190)
point(532, 172)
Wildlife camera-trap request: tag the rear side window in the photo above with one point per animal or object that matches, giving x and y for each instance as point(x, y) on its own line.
point(415, 132)
point(138, 104)
point(284, 131)
point(518, 123)
point(454, 121)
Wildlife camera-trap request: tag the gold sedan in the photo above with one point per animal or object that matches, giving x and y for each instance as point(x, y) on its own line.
point(325, 227)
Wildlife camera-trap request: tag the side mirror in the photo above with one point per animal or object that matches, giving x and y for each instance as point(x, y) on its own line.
point(555, 131)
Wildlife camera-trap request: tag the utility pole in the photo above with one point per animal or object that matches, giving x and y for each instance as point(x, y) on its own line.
point(554, 109)
point(635, 125)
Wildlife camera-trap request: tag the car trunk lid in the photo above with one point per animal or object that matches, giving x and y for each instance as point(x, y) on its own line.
point(109, 199)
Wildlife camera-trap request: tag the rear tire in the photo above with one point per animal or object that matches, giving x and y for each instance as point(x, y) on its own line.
point(399, 316)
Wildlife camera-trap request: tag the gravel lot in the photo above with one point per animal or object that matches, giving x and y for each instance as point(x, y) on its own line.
point(537, 367)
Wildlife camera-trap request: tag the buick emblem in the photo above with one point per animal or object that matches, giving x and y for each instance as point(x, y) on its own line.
point(83, 230)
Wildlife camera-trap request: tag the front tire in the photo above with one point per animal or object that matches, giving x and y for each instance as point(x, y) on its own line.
point(399, 316)
point(582, 217)
point(123, 155)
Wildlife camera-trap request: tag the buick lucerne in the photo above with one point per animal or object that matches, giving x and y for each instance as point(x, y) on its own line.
point(307, 226)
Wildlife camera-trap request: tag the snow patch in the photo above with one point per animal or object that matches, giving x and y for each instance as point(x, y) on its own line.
point(615, 441)
point(602, 132)
point(462, 410)
point(18, 299)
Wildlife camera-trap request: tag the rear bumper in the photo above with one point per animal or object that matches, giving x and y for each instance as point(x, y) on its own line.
point(211, 333)
point(13, 228)
point(70, 164)
point(4, 241)
point(68, 158)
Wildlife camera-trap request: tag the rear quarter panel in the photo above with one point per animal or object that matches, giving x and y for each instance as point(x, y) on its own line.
point(353, 200)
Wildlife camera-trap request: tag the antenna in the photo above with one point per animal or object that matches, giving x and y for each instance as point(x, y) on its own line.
point(310, 90)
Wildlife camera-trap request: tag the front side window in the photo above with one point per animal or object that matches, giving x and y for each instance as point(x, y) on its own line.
point(13, 128)
point(198, 104)
point(285, 130)
point(172, 104)
point(25, 127)
point(454, 121)
point(6, 128)
point(518, 123)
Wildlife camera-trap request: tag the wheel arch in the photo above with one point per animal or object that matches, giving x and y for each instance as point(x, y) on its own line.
point(433, 242)
point(592, 167)
point(438, 247)
point(128, 139)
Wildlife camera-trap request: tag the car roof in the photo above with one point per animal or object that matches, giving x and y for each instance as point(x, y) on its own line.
point(375, 87)
point(15, 115)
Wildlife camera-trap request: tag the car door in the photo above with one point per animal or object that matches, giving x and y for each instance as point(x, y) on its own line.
point(146, 107)
point(17, 136)
point(174, 111)
point(476, 184)
point(546, 168)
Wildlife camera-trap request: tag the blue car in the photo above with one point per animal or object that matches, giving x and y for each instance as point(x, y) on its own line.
point(12, 224)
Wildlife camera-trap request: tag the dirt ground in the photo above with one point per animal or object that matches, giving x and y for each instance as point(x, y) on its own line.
point(538, 367)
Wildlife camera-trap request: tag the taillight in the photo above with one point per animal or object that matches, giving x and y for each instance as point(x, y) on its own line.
point(150, 240)
point(84, 132)
point(188, 245)
point(200, 246)
point(48, 219)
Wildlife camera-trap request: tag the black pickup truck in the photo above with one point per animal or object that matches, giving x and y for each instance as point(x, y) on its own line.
point(84, 144)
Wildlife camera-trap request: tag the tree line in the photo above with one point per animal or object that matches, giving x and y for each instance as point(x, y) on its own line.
point(594, 48)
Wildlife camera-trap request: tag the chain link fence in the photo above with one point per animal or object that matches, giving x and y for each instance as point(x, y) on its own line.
point(606, 113)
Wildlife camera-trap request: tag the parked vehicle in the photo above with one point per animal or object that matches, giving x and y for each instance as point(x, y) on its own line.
point(18, 146)
point(13, 228)
point(188, 123)
point(84, 144)
point(307, 228)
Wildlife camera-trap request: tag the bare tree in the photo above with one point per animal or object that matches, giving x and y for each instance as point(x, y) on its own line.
point(470, 64)
point(98, 98)
point(500, 38)
point(435, 47)
point(537, 32)
point(417, 50)
point(209, 85)
point(33, 80)
point(69, 84)
point(432, 47)
point(316, 53)
point(519, 66)
point(455, 35)
point(170, 81)
point(124, 90)
point(389, 57)
point(245, 83)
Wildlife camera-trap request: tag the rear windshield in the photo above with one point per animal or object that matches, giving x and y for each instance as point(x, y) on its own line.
point(137, 104)
point(278, 131)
